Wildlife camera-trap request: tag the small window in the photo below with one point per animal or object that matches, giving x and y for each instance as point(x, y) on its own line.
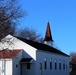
point(16, 65)
point(66, 66)
point(40, 65)
point(28, 65)
point(50, 63)
point(59, 64)
point(63, 65)
point(55, 64)
point(45, 64)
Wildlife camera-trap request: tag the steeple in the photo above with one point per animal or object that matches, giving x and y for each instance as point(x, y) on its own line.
point(48, 35)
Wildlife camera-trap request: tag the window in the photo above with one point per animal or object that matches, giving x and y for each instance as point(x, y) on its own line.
point(55, 64)
point(28, 65)
point(16, 65)
point(40, 65)
point(63, 65)
point(66, 66)
point(50, 63)
point(59, 64)
point(45, 64)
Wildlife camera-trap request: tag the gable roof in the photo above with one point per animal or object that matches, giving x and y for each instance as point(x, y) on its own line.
point(42, 47)
point(48, 35)
point(9, 53)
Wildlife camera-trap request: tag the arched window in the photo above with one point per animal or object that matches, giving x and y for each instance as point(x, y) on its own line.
point(59, 64)
point(55, 64)
point(63, 65)
point(45, 63)
point(50, 63)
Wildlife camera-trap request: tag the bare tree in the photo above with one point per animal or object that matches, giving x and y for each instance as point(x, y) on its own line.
point(73, 57)
point(10, 13)
point(30, 34)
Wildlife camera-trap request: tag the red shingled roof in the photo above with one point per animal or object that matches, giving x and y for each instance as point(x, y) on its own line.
point(9, 53)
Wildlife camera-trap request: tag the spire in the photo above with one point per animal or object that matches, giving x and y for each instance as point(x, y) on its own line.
point(48, 35)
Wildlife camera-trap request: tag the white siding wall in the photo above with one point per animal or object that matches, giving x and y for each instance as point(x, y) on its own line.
point(16, 64)
point(24, 70)
point(29, 52)
point(5, 67)
point(40, 59)
point(31, 71)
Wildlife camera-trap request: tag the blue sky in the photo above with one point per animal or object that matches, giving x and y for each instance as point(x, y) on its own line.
point(62, 17)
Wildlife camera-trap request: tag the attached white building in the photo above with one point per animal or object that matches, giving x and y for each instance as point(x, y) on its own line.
point(9, 62)
point(26, 57)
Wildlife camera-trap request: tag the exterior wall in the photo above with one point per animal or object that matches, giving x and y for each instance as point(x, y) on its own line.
point(5, 66)
point(29, 52)
point(40, 59)
point(11, 66)
point(16, 64)
point(31, 71)
point(21, 68)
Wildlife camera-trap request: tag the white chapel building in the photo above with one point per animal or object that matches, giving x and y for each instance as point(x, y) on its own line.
point(20, 56)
